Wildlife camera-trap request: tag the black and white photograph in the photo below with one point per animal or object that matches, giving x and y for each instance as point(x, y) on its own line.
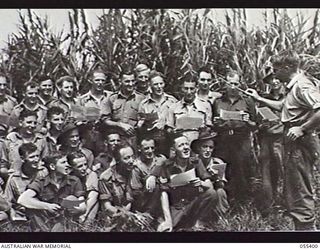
point(160, 120)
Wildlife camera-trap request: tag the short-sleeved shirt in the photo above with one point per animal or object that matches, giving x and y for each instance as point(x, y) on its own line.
point(161, 107)
point(90, 182)
point(179, 195)
point(240, 104)
point(115, 188)
point(119, 108)
point(141, 172)
point(197, 109)
point(67, 108)
point(7, 105)
point(47, 102)
point(40, 109)
point(11, 148)
point(211, 97)
point(105, 161)
point(89, 100)
point(47, 190)
point(301, 101)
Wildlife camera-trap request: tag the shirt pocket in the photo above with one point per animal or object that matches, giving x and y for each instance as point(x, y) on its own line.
point(117, 111)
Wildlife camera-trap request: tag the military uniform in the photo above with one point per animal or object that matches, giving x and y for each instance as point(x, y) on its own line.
point(187, 203)
point(145, 201)
point(47, 102)
point(233, 145)
point(47, 191)
point(197, 109)
point(115, 188)
point(301, 102)
point(104, 161)
point(67, 108)
point(7, 105)
point(89, 100)
point(161, 108)
point(211, 97)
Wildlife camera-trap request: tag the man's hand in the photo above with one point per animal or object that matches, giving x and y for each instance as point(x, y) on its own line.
point(53, 208)
point(253, 93)
point(295, 132)
point(127, 128)
point(151, 183)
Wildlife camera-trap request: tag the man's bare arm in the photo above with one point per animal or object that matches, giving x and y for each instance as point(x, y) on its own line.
point(277, 105)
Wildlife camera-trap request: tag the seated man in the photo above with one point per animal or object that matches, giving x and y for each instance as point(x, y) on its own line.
point(192, 200)
point(45, 197)
point(144, 200)
point(18, 181)
point(89, 180)
point(114, 183)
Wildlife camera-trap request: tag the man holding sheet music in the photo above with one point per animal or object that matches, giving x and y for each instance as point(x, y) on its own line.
point(234, 116)
point(300, 116)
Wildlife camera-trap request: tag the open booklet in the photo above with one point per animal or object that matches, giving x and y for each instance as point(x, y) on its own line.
point(186, 122)
point(183, 179)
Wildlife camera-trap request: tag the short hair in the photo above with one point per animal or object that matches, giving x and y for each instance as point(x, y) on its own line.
point(110, 132)
point(141, 67)
point(26, 113)
point(204, 69)
point(26, 148)
point(189, 78)
point(154, 73)
point(74, 155)
point(53, 158)
point(55, 110)
point(122, 145)
point(44, 78)
point(30, 84)
point(232, 74)
point(126, 71)
point(100, 71)
point(65, 79)
point(174, 137)
point(145, 138)
point(4, 76)
point(287, 59)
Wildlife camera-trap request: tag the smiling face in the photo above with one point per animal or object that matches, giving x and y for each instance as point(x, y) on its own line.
point(98, 81)
point(67, 90)
point(46, 88)
point(112, 141)
point(73, 139)
point(182, 147)
point(31, 95)
point(127, 158)
point(29, 124)
point(157, 85)
point(57, 121)
point(147, 149)
point(128, 83)
point(80, 166)
point(143, 79)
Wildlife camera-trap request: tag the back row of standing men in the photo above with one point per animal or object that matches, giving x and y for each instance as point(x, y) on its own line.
point(48, 155)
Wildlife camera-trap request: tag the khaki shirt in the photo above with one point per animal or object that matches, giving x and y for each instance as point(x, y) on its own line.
point(119, 108)
point(301, 101)
point(211, 97)
point(161, 108)
point(7, 105)
point(198, 109)
point(67, 108)
point(14, 141)
point(115, 188)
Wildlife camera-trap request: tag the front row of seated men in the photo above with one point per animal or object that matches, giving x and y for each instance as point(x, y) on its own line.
point(181, 192)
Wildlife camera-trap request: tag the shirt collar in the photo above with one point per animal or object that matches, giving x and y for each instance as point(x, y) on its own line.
point(120, 95)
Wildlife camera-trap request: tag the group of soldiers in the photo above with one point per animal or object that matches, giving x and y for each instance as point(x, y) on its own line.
point(185, 160)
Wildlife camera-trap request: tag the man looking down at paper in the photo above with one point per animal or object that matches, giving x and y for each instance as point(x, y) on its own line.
point(191, 113)
point(188, 198)
point(44, 197)
point(300, 116)
point(234, 116)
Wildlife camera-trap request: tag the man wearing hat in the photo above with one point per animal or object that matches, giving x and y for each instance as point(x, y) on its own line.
point(70, 141)
point(142, 73)
point(234, 120)
point(191, 201)
point(204, 147)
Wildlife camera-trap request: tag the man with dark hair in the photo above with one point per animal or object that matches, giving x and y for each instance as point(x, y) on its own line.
point(192, 108)
point(46, 90)
point(121, 108)
point(89, 180)
point(114, 184)
point(44, 197)
point(7, 102)
point(56, 121)
point(145, 200)
point(18, 181)
point(191, 201)
point(142, 73)
point(67, 90)
point(157, 104)
point(26, 132)
point(31, 102)
point(111, 138)
point(204, 84)
point(234, 138)
point(300, 116)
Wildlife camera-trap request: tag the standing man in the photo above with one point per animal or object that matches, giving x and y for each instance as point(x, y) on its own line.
point(7, 102)
point(156, 104)
point(234, 138)
point(300, 114)
point(142, 73)
point(121, 108)
point(190, 107)
point(205, 82)
point(46, 90)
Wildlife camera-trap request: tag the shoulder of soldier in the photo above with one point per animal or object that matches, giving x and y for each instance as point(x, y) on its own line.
point(161, 157)
point(195, 160)
point(85, 97)
point(106, 175)
point(43, 107)
point(217, 160)
point(12, 99)
point(40, 135)
point(171, 97)
point(12, 136)
point(73, 178)
point(139, 96)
